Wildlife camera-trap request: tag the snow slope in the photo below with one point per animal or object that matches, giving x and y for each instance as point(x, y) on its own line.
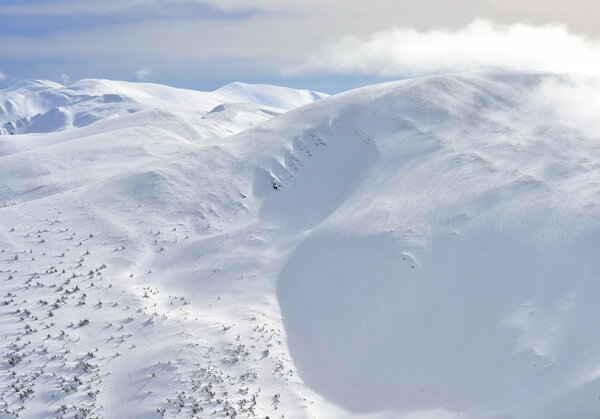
point(418, 249)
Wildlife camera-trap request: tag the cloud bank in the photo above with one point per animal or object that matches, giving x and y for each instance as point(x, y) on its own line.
point(329, 45)
point(481, 44)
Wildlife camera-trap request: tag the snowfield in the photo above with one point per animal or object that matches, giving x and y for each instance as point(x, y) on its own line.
point(422, 249)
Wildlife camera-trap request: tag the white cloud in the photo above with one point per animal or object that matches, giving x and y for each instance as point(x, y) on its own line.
point(481, 44)
point(2, 75)
point(65, 79)
point(573, 101)
point(143, 73)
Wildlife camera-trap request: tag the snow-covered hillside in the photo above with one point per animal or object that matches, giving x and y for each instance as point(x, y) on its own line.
point(40, 106)
point(419, 249)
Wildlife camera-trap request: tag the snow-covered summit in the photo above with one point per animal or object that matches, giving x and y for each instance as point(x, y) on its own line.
point(447, 244)
point(275, 96)
point(418, 249)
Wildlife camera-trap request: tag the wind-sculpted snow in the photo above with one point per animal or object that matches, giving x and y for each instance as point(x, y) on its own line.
point(419, 249)
point(410, 294)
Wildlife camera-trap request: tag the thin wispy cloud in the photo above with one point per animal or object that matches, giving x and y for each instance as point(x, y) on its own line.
point(143, 73)
point(481, 44)
point(66, 8)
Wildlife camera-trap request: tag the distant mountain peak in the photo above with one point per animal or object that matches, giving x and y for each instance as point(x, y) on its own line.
point(33, 105)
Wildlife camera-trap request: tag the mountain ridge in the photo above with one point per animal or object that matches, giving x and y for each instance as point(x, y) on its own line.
point(414, 249)
point(44, 106)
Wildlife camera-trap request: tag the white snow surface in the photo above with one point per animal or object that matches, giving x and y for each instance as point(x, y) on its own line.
point(421, 249)
point(40, 106)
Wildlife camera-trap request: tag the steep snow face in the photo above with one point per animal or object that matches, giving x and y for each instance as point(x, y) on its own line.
point(40, 106)
point(418, 249)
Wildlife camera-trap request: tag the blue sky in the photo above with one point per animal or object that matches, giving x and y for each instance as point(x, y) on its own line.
point(323, 45)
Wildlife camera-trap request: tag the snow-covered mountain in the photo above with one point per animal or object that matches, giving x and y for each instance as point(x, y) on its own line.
point(419, 249)
point(40, 106)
